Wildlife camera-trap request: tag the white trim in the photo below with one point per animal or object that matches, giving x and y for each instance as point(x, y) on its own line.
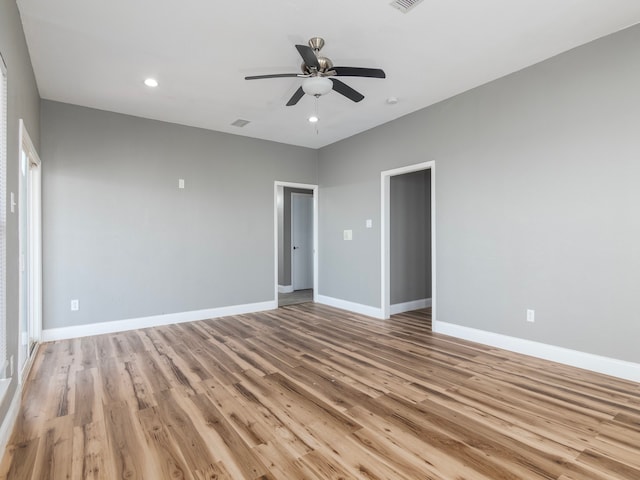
point(314, 189)
point(4, 385)
point(285, 288)
point(27, 367)
point(409, 306)
point(52, 334)
point(30, 246)
point(35, 246)
point(385, 233)
point(374, 312)
point(9, 420)
point(574, 358)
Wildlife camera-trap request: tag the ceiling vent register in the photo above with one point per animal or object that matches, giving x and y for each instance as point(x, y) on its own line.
point(405, 5)
point(240, 123)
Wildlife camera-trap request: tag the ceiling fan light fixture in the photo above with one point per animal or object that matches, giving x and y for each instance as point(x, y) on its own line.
point(317, 86)
point(316, 69)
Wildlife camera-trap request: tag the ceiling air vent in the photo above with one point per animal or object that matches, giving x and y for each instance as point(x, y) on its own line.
point(405, 5)
point(240, 123)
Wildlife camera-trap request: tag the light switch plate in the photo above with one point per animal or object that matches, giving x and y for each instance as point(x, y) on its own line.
point(348, 234)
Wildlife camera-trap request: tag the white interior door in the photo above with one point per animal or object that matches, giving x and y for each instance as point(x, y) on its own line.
point(301, 241)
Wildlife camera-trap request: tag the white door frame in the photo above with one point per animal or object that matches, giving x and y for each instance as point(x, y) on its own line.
point(30, 184)
point(314, 189)
point(385, 232)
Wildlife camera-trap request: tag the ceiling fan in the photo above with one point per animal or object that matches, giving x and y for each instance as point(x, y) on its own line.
point(318, 73)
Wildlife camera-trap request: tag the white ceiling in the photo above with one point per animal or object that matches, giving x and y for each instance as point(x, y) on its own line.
point(96, 53)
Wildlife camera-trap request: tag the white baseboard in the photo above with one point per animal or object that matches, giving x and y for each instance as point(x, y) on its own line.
point(9, 420)
point(575, 358)
point(409, 306)
point(350, 306)
point(285, 288)
point(5, 383)
point(63, 333)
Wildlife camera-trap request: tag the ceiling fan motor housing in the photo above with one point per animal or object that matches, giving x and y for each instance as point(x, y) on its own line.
point(325, 66)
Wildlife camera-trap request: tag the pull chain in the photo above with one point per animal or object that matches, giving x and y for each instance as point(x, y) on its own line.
point(317, 116)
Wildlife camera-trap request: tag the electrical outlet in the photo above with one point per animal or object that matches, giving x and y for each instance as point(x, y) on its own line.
point(75, 305)
point(531, 316)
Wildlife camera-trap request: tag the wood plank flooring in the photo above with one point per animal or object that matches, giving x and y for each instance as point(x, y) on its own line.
point(311, 392)
point(296, 297)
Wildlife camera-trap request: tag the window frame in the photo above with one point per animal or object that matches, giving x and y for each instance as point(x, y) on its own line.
point(5, 371)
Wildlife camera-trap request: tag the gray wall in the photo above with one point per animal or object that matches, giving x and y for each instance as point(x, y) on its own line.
point(536, 201)
point(123, 239)
point(410, 236)
point(23, 102)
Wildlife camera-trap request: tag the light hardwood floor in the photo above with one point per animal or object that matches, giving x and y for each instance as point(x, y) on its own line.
point(294, 298)
point(311, 392)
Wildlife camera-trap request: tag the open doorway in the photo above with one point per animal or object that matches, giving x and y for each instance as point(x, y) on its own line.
point(296, 267)
point(408, 239)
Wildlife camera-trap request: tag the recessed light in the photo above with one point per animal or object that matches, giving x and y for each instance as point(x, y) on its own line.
point(151, 82)
point(392, 100)
point(313, 119)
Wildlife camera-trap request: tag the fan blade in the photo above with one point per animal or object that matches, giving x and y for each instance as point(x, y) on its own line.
point(275, 75)
point(296, 97)
point(346, 90)
point(309, 57)
point(359, 72)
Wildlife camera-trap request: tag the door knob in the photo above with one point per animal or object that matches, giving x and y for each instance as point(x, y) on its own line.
point(295, 248)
